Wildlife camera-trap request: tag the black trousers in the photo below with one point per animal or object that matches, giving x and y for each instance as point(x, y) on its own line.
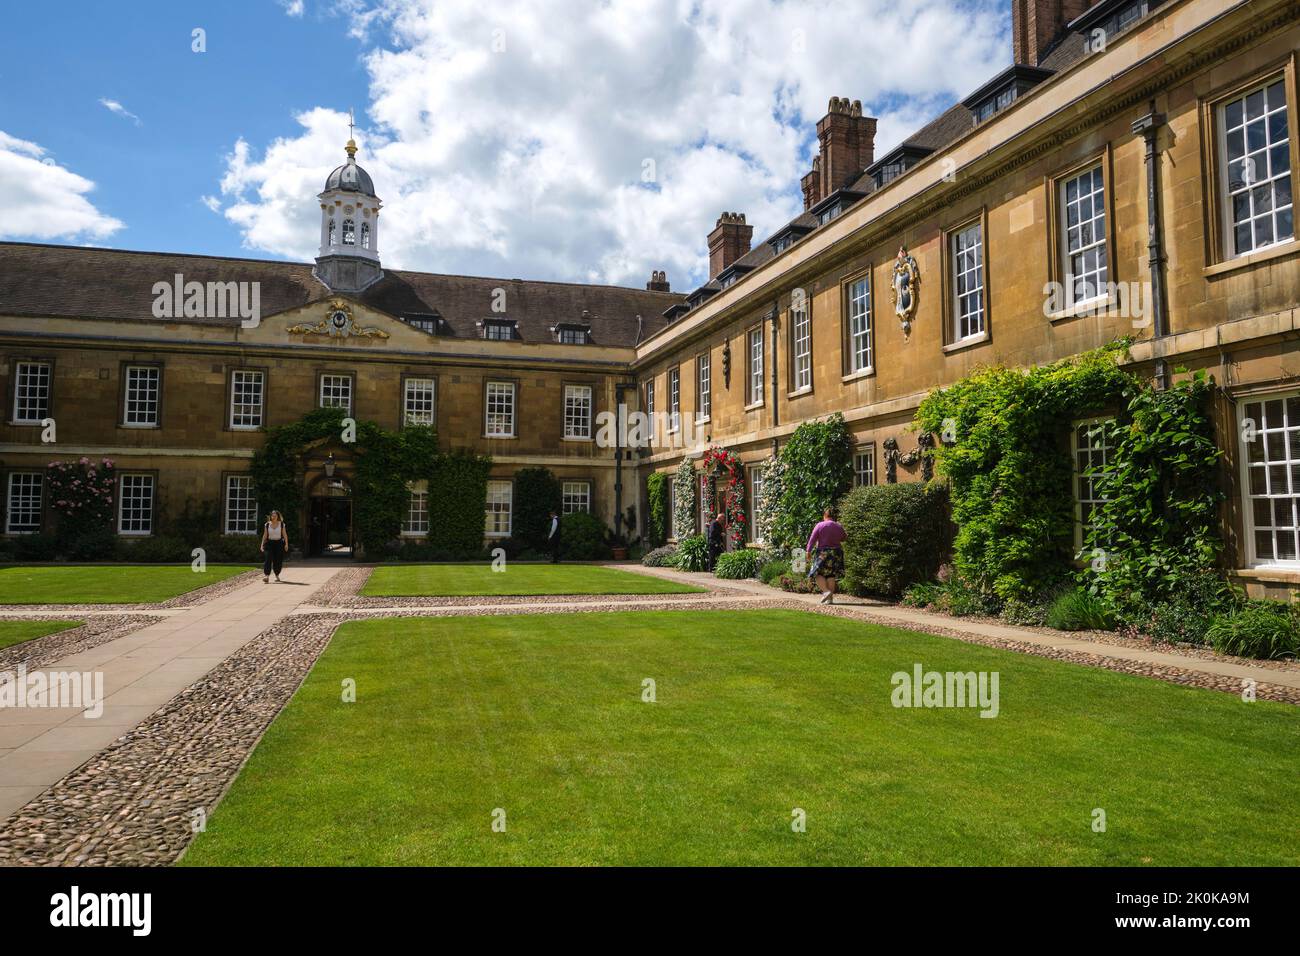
point(274, 559)
point(555, 549)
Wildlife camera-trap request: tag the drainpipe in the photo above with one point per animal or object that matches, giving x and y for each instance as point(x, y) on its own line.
point(620, 422)
point(1149, 127)
point(776, 377)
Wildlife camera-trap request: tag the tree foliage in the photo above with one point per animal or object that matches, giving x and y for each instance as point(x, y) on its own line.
point(817, 470)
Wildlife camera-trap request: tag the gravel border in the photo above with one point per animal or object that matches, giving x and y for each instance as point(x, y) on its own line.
point(100, 629)
point(190, 598)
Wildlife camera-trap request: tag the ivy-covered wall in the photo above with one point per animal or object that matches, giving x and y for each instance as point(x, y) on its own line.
point(457, 500)
point(660, 508)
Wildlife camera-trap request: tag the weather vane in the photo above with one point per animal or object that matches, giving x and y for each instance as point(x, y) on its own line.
point(350, 123)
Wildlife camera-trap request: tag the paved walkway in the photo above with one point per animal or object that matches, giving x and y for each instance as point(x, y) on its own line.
point(141, 672)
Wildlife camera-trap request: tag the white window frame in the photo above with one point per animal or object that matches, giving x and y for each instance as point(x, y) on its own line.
point(246, 415)
point(338, 385)
point(756, 356)
point(43, 390)
point(1098, 444)
point(420, 401)
point(966, 262)
point(864, 465)
point(578, 405)
point(143, 520)
point(858, 302)
point(801, 346)
point(1268, 178)
point(575, 496)
point(703, 387)
point(146, 393)
point(500, 501)
point(755, 490)
point(674, 398)
point(416, 522)
point(245, 496)
point(18, 500)
point(499, 410)
point(1089, 241)
point(1261, 428)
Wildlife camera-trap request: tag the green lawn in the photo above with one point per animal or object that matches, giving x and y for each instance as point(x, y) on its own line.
point(757, 713)
point(16, 632)
point(459, 580)
point(106, 584)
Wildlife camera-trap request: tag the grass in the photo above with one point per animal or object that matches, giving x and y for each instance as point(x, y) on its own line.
point(460, 580)
point(106, 584)
point(16, 632)
point(757, 713)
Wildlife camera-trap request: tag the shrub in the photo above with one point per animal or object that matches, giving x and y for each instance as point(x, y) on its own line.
point(194, 522)
point(233, 548)
point(735, 565)
point(923, 594)
point(537, 494)
point(1079, 610)
point(661, 507)
point(36, 547)
point(457, 501)
point(157, 549)
point(693, 553)
point(665, 557)
point(1025, 613)
point(771, 571)
point(960, 598)
point(1186, 615)
point(797, 583)
point(1268, 630)
point(818, 469)
point(94, 543)
point(582, 537)
point(898, 535)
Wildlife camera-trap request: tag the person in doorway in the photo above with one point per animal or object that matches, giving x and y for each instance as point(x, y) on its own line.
point(717, 538)
point(825, 553)
point(553, 538)
point(275, 543)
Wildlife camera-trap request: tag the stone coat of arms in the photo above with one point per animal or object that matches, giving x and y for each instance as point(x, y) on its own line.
point(904, 283)
point(338, 324)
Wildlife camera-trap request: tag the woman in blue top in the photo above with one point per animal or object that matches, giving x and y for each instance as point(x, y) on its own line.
point(826, 541)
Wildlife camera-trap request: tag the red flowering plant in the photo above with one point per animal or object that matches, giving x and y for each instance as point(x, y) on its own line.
point(728, 477)
point(82, 491)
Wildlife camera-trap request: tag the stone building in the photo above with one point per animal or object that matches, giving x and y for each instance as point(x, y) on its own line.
point(1128, 173)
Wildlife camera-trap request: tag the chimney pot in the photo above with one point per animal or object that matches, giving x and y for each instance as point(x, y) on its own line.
point(1037, 24)
point(658, 282)
point(728, 241)
point(846, 146)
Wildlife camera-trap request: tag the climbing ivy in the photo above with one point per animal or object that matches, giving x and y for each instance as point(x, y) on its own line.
point(817, 471)
point(684, 498)
point(457, 502)
point(656, 486)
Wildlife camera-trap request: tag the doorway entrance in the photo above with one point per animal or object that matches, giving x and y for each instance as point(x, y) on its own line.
point(329, 519)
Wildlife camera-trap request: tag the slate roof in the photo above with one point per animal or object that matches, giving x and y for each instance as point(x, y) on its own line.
point(80, 282)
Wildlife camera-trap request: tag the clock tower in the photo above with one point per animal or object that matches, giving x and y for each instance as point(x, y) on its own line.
point(349, 228)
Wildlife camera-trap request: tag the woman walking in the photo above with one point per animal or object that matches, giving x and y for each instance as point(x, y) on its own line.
point(826, 540)
point(275, 542)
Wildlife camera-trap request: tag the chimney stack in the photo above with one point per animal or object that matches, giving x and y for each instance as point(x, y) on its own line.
point(846, 146)
point(728, 241)
point(658, 282)
point(1036, 24)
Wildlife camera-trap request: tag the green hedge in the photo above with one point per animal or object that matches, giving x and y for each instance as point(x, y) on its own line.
point(537, 494)
point(457, 502)
point(583, 537)
point(898, 535)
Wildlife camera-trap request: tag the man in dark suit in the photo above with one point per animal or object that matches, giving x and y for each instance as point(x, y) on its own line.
point(553, 538)
point(717, 539)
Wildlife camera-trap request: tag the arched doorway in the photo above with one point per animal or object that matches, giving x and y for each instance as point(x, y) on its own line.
point(329, 518)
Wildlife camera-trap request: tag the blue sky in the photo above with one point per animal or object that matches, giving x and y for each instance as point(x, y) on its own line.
point(505, 138)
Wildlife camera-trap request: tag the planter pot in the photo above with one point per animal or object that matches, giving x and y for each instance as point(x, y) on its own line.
point(620, 554)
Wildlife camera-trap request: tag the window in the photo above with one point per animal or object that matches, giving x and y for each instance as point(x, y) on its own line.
point(1255, 151)
point(499, 330)
point(704, 389)
point(336, 392)
point(858, 297)
point(246, 391)
point(31, 392)
point(577, 411)
point(576, 496)
point(674, 398)
point(500, 410)
point(755, 493)
point(365, 235)
point(864, 465)
point(1083, 237)
point(1092, 453)
point(423, 322)
point(349, 232)
point(967, 251)
point(241, 505)
point(571, 335)
point(143, 395)
point(332, 230)
point(416, 522)
point(23, 502)
point(500, 495)
point(1270, 434)
point(801, 346)
point(135, 505)
point(418, 401)
point(755, 365)
point(650, 401)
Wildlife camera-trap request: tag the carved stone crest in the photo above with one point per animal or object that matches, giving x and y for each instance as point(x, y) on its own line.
point(923, 453)
point(903, 286)
point(338, 324)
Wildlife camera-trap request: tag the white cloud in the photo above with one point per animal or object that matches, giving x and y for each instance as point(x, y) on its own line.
point(44, 201)
point(113, 106)
point(293, 8)
point(510, 139)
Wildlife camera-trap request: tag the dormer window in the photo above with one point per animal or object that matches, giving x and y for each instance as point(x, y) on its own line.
point(1003, 90)
point(1110, 17)
point(349, 232)
point(894, 164)
point(568, 334)
point(500, 330)
point(728, 277)
point(424, 321)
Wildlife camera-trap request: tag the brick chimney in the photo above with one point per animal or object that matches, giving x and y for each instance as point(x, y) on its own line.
point(846, 146)
point(728, 241)
point(1036, 24)
point(658, 282)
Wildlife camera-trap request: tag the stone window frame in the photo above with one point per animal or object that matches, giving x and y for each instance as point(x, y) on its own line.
point(228, 424)
point(416, 376)
point(12, 390)
point(847, 349)
point(1053, 183)
point(795, 389)
point(948, 281)
point(122, 475)
point(124, 368)
point(514, 408)
point(225, 503)
point(564, 410)
point(9, 474)
point(752, 402)
point(510, 513)
point(703, 377)
point(591, 493)
point(351, 411)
